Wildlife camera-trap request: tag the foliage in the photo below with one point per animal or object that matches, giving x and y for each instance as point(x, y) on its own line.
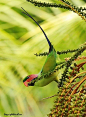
point(20, 39)
point(71, 98)
point(66, 5)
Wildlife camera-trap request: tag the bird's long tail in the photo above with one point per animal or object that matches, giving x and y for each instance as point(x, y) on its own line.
point(25, 12)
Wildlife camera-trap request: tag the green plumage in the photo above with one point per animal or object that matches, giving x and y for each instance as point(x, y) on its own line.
point(50, 62)
point(49, 66)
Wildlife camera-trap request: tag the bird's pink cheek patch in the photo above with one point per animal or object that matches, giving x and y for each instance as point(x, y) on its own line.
point(31, 77)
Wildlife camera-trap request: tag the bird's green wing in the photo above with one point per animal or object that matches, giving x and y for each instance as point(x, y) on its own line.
point(49, 65)
point(50, 62)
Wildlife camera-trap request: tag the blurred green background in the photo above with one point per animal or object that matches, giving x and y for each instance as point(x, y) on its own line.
point(20, 39)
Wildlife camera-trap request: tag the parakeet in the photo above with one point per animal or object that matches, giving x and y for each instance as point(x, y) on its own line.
point(49, 66)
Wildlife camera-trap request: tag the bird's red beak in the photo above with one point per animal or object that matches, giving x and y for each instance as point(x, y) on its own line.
point(26, 83)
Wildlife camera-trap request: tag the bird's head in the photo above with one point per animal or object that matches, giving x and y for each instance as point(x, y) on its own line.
point(28, 80)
